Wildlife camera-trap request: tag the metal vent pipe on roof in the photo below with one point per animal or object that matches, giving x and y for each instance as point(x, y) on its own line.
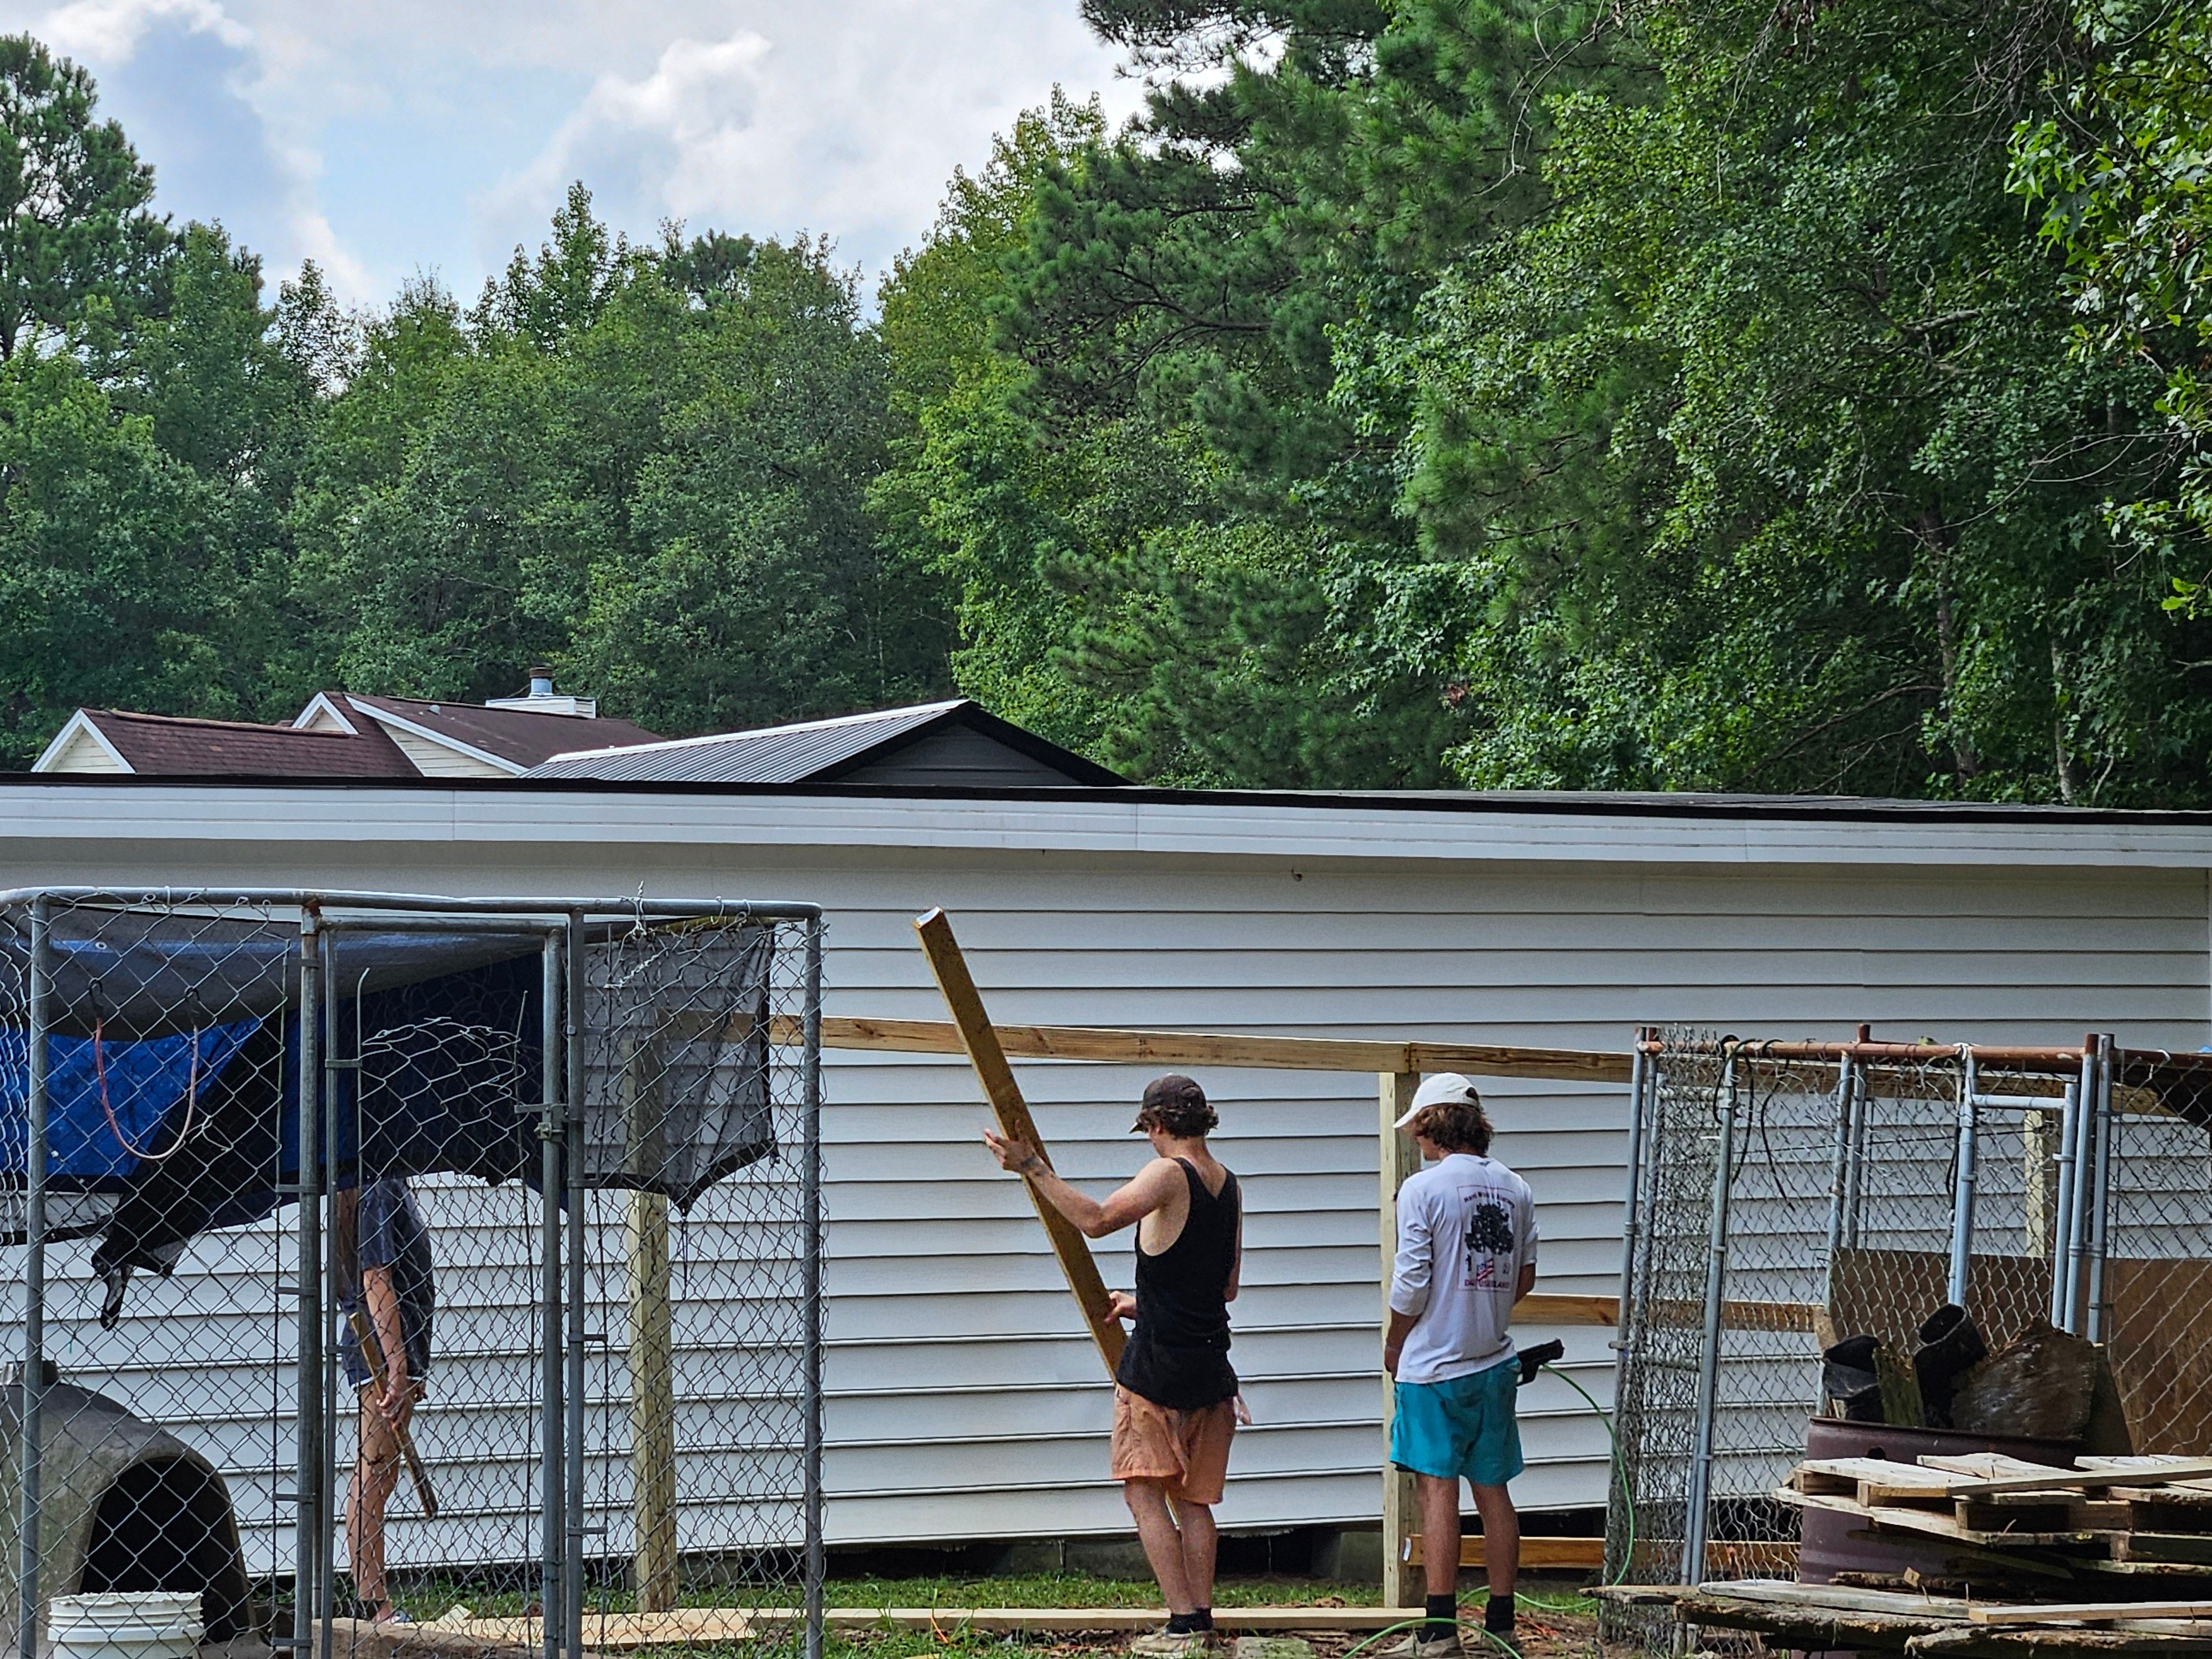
point(541, 681)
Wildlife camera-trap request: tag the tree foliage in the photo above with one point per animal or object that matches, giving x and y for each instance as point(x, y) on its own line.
point(1711, 394)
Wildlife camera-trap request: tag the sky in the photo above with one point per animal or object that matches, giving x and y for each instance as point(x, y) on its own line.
point(387, 139)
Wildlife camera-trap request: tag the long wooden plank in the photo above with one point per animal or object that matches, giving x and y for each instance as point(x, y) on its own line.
point(688, 1626)
point(1397, 1159)
point(1582, 1553)
point(2087, 1612)
point(1130, 1046)
point(981, 1040)
point(2090, 1480)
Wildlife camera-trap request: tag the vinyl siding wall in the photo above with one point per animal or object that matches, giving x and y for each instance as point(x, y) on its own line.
point(965, 1399)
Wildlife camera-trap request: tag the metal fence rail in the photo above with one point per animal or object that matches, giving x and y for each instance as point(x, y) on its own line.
point(1784, 1194)
point(565, 1155)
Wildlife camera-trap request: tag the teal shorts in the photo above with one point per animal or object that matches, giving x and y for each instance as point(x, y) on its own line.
point(1463, 1428)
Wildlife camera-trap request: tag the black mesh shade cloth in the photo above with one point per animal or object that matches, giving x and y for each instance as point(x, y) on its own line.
point(676, 1059)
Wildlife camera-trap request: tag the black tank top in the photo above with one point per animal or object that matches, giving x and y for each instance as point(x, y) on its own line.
point(1178, 1354)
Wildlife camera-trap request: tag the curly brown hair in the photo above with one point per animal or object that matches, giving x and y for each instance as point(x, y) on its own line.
point(1457, 1126)
point(1175, 1105)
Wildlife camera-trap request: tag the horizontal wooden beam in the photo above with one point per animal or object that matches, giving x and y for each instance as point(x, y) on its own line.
point(1124, 1045)
point(691, 1626)
point(1535, 1552)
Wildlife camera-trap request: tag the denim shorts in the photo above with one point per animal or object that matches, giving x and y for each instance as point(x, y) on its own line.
point(1461, 1427)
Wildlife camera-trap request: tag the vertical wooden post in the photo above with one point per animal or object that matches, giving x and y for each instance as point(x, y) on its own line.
point(652, 1403)
point(652, 1343)
point(981, 1040)
point(1399, 1159)
point(2038, 1141)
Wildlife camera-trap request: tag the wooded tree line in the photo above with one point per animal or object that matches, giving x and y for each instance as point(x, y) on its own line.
point(1685, 394)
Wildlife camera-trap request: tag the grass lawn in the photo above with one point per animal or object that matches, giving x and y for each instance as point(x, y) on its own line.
point(1562, 1624)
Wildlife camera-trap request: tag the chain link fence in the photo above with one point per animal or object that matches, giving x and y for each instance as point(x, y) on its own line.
point(428, 1343)
point(1785, 1195)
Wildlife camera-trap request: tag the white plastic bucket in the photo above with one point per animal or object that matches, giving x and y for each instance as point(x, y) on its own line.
point(125, 1624)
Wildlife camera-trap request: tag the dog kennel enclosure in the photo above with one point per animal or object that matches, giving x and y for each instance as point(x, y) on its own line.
point(606, 1115)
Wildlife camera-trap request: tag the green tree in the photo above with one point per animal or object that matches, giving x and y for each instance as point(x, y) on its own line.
point(114, 573)
point(73, 221)
point(2122, 171)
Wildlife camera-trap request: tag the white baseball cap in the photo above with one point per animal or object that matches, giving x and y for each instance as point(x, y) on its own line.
point(1434, 1091)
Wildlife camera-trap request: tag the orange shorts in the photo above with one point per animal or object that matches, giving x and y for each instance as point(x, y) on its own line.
point(1187, 1452)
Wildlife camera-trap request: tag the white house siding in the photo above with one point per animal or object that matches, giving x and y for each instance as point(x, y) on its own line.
point(965, 1401)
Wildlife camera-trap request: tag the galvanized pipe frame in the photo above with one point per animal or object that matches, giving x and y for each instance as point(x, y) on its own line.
point(2081, 1233)
point(564, 926)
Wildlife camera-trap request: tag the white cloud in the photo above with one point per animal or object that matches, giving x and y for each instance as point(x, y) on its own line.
point(112, 30)
point(382, 138)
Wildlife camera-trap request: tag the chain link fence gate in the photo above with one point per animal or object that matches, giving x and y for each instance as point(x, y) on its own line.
point(611, 1400)
point(1784, 1194)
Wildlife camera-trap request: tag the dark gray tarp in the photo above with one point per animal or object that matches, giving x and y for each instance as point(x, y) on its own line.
point(676, 1089)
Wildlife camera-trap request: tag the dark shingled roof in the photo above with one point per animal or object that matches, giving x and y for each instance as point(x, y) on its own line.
point(953, 742)
point(514, 735)
point(169, 745)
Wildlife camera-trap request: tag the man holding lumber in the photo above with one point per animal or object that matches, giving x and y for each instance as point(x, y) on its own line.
point(1467, 1252)
point(1176, 1404)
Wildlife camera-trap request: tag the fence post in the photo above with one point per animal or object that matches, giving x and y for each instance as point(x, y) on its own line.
point(1639, 1078)
point(2085, 1182)
point(1709, 1360)
point(811, 1286)
point(1398, 1158)
point(570, 1391)
point(326, 1559)
point(1847, 1076)
point(2063, 1218)
point(550, 1484)
point(2101, 1194)
point(1962, 1191)
point(311, 1505)
point(33, 1385)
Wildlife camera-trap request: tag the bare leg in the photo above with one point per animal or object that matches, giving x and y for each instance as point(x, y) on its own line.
point(375, 1476)
point(1163, 1544)
point(1199, 1539)
point(1501, 1537)
point(1440, 1533)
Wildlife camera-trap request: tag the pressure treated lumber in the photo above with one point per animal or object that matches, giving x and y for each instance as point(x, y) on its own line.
point(1536, 1553)
point(2088, 1613)
point(2090, 1480)
point(1129, 1046)
point(1397, 1159)
point(981, 1040)
point(701, 1626)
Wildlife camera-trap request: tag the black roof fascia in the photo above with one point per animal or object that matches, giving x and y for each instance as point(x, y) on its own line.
point(1498, 804)
point(1086, 773)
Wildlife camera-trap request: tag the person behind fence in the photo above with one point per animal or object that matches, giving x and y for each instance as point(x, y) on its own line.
point(1176, 1401)
point(1467, 1252)
point(384, 1281)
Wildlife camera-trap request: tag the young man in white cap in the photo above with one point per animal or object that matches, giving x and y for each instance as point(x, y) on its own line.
point(1175, 1403)
point(1467, 1252)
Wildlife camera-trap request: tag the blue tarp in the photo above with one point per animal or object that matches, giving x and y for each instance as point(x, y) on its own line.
point(148, 1083)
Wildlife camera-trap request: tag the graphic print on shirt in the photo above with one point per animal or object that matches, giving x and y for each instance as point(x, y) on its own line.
point(1487, 1257)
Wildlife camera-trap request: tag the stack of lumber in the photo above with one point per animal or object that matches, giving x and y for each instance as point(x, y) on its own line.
point(2007, 1522)
point(1818, 1617)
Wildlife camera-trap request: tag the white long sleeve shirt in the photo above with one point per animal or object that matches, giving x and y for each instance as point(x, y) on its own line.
point(1467, 1225)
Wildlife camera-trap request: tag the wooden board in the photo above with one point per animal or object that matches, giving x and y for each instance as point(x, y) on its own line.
point(2090, 1480)
point(980, 1039)
point(701, 1626)
point(1124, 1045)
point(2087, 1612)
point(1535, 1552)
